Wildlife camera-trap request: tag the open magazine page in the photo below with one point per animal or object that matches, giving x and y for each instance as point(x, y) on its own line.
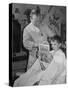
point(43, 48)
point(45, 55)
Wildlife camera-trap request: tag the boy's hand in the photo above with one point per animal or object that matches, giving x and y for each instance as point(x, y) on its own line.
point(46, 57)
point(49, 57)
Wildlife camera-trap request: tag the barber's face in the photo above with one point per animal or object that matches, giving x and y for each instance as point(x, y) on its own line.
point(36, 18)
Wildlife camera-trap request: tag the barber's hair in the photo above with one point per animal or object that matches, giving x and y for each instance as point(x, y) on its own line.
point(56, 38)
point(35, 11)
point(38, 10)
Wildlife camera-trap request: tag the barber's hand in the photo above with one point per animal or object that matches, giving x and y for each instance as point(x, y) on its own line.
point(36, 45)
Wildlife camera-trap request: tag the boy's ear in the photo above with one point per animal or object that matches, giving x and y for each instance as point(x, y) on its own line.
point(60, 45)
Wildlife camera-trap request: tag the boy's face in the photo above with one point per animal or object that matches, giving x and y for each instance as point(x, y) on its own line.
point(55, 45)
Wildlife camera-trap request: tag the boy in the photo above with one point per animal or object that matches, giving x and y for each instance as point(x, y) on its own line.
point(56, 71)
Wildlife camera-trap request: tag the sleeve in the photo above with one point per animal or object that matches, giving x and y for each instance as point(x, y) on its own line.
point(27, 40)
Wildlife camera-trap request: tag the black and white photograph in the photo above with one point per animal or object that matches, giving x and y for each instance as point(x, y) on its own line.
point(37, 48)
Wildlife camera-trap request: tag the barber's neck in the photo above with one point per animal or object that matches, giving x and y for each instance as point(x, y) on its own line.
point(33, 22)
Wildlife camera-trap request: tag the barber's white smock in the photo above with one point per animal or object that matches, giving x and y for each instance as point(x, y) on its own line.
point(31, 36)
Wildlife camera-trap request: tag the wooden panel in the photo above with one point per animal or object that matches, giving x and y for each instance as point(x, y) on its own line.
point(19, 65)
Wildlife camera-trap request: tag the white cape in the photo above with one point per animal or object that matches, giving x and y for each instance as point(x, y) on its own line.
point(35, 74)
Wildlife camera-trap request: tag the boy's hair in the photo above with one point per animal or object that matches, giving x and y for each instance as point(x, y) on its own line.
point(56, 38)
